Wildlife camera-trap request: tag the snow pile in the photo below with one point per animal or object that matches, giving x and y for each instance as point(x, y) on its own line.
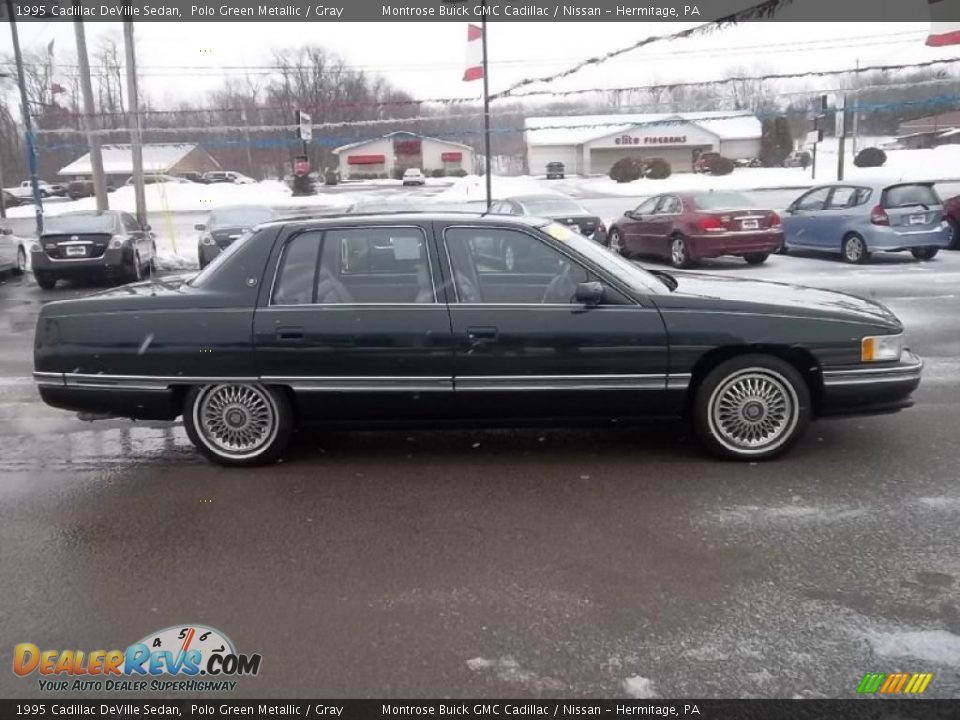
point(933, 646)
point(473, 188)
point(639, 688)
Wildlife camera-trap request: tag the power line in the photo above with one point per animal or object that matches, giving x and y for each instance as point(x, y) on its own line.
point(863, 108)
point(763, 10)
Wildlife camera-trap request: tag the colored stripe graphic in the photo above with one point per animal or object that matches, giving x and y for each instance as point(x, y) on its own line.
point(870, 683)
point(894, 683)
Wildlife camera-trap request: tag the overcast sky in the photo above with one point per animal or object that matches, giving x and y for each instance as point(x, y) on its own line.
point(427, 59)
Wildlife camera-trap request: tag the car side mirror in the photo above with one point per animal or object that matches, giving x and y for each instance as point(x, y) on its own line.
point(200, 227)
point(630, 214)
point(589, 293)
point(146, 227)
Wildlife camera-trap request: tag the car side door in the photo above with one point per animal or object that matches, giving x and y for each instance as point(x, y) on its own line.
point(661, 225)
point(635, 233)
point(839, 211)
point(524, 347)
point(802, 222)
point(356, 324)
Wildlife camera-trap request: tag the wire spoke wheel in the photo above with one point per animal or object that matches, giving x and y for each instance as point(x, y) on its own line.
point(753, 410)
point(236, 420)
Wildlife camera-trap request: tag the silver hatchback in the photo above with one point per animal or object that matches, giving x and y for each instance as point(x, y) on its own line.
point(858, 218)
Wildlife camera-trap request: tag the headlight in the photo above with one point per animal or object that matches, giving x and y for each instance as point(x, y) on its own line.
point(206, 240)
point(116, 242)
point(878, 348)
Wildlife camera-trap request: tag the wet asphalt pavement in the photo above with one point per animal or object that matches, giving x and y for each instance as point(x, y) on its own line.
point(534, 563)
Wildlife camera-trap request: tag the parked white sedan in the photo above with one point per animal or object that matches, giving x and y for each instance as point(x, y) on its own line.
point(414, 176)
point(13, 252)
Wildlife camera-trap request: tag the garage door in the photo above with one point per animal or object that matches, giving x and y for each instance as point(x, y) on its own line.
point(680, 158)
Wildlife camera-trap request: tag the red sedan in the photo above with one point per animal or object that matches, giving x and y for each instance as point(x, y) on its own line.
point(951, 208)
point(684, 227)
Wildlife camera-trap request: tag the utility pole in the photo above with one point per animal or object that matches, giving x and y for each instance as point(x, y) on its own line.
point(27, 124)
point(486, 109)
point(133, 104)
point(841, 125)
point(3, 200)
point(89, 124)
point(855, 130)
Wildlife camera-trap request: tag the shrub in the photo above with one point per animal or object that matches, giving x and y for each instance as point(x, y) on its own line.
point(458, 173)
point(398, 173)
point(626, 170)
point(870, 157)
point(721, 166)
point(438, 173)
point(656, 169)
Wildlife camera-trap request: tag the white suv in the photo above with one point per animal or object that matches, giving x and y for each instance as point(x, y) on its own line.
point(414, 176)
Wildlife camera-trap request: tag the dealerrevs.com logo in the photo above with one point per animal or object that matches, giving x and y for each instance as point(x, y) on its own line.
point(188, 658)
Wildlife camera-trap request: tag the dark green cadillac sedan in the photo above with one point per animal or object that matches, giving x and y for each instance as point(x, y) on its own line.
point(367, 321)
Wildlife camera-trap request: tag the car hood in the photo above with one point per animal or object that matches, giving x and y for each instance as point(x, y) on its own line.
point(777, 298)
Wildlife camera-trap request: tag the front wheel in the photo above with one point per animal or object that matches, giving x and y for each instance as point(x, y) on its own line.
point(751, 407)
point(679, 253)
point(954, 233)
point(854, 249)
point(756, 258)
point(238, 424)
point(615, 242)
point(926, 253)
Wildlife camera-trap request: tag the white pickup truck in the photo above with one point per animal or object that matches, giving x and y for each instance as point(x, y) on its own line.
point(25, 190)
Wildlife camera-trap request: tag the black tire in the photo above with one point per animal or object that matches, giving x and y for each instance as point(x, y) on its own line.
point(136, 269)
point(254, 404)
point(21, 266)
point(615, 242)
point(954, 234)
point(509, 257)
point(926, 253)
point(721, 410)
point(46, 282)
point(152, 265)
point(679, 252)
point(854, 249)
point(756, 258)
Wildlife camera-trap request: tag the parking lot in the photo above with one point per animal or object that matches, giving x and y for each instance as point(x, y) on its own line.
point(525, 563)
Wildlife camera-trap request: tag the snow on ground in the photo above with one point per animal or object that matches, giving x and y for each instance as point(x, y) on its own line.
point(639, 688)
point(934, 646)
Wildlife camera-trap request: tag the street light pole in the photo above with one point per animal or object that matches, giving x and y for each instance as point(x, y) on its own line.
point(93, 139)
point(27, 125)
point(133, 103)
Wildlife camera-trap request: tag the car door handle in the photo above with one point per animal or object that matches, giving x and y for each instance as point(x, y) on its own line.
point(480, 334)
point(290, 334)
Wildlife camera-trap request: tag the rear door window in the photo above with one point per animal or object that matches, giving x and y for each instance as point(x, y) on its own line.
point(899, 196)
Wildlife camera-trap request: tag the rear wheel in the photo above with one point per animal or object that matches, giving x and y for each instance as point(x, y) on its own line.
point(46, 282)
point(927, 253)
point(136, 272)
point(854, 249)
point(756, 258)
point(679, 252)
point(509, 257)
point(238, 424)
point(21, 267)
point(751, 407)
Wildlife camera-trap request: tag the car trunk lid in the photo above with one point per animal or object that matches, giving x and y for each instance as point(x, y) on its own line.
point(75, 247)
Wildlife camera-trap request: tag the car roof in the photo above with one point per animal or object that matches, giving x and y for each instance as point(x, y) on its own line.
point(540, 196)
point(873, 183)
point(405, 218)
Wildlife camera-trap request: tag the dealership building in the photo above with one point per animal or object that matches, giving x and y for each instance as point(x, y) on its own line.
point(399, 151)
point(591, 144)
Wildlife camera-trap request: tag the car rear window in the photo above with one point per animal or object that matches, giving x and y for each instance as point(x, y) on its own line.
point(552, 206)
point(907, 195)
point(721, 201)
point(77, 224)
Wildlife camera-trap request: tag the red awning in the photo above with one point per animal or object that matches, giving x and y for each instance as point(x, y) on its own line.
point(365, 159)
point(451, 156)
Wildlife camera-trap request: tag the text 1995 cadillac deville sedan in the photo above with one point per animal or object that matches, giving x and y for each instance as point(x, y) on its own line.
point(413, 319)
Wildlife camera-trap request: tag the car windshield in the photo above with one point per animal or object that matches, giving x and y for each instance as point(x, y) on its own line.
point(907, 195)
point(220, 259)
point(721, 200)
point(79, 224)
point(240, 217)
point(552, 206)
point(636, 277)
